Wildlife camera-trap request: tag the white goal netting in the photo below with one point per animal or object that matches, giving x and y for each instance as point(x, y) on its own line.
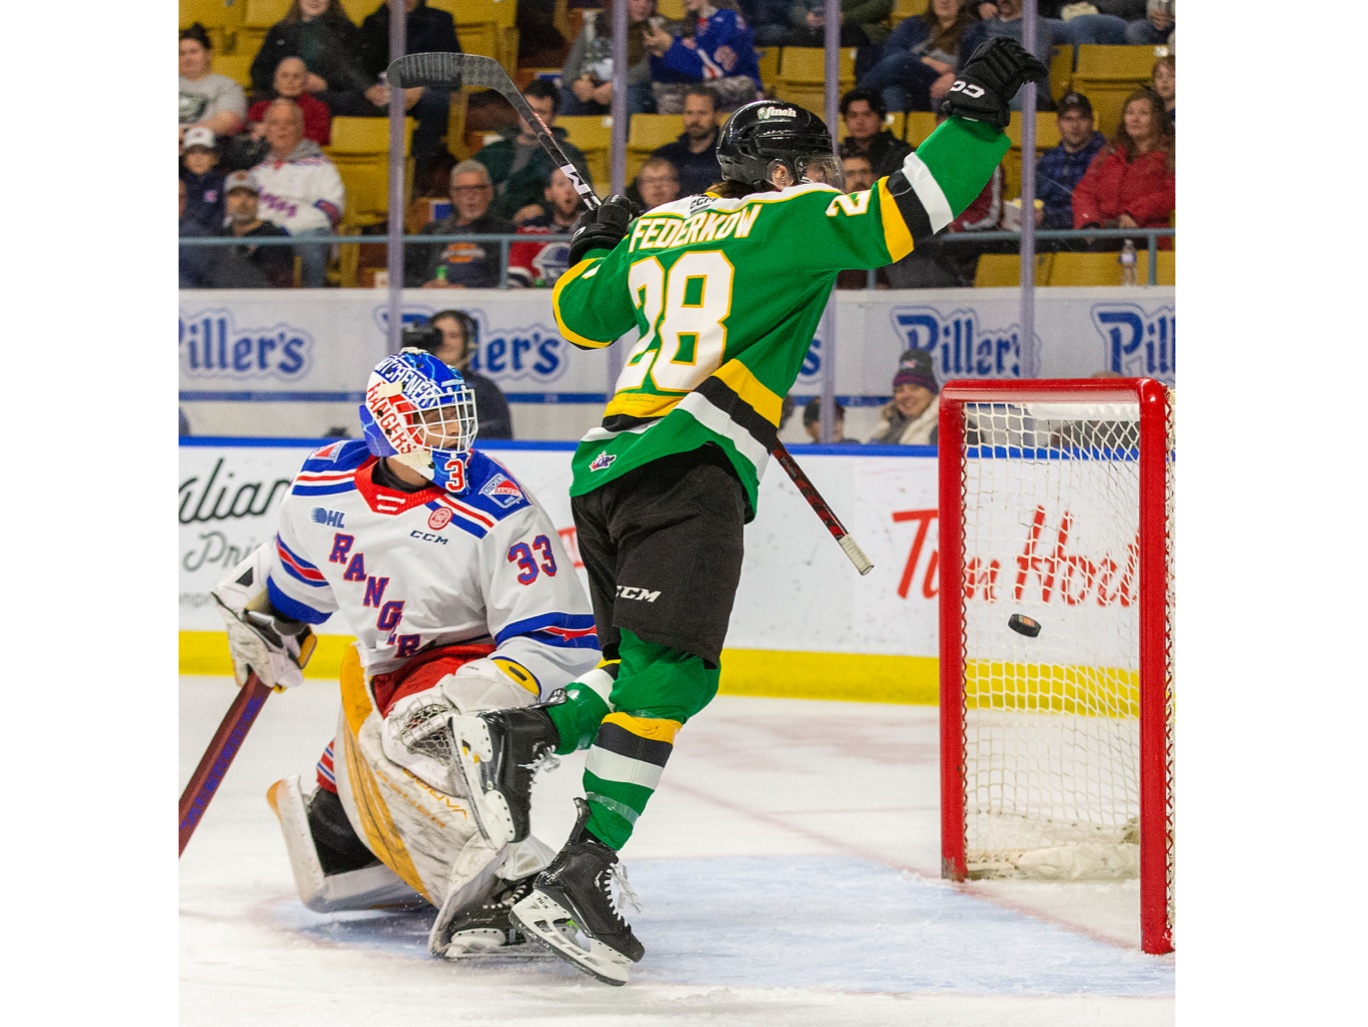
point(1051, 532)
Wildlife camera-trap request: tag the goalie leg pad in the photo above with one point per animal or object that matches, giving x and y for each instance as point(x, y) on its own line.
point(365, 888)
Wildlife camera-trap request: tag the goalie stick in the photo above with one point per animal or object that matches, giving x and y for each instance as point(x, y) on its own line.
point(454, 70)
point(218, 757)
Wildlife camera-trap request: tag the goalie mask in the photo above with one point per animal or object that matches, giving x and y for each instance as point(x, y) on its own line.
point(768, 134)
point(421, 412)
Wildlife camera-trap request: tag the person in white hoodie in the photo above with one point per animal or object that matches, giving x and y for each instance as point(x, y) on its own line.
point(301, 190)
point(912, 417)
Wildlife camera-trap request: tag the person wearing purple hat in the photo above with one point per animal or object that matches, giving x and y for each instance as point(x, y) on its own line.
point(911, 417)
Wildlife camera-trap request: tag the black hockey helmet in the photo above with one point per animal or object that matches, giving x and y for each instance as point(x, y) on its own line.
point(764, 132)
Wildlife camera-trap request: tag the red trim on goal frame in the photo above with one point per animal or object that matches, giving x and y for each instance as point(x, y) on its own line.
point(1156, 839)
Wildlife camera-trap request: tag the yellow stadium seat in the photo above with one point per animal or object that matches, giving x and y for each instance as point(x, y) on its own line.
point(237, 67)
point(593, 134)
point(1061, 70)
point(258, 17)
point(802, 75)
point(1047, 137)
point(999, 270)
point(920, 124)
point(649, 132)
point(769, 65)
point(220, 18)
point(1106, 75)
point(1086, 269)
point(904, 9)
point(355, 136)
point(487, 27)
point(674, 9)
point(1165, 272)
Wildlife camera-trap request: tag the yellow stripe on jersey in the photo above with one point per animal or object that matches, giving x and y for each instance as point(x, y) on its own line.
point(569, 333)
point(658, 730)
point(896, 236)
point(741, 381)
point(642, 404)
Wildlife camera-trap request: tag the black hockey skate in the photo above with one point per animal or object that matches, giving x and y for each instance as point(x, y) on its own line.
point(487, 929)
point(496, 753)
point(571, 909)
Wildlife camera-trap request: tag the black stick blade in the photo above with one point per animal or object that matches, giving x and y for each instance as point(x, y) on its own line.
point(452, 70)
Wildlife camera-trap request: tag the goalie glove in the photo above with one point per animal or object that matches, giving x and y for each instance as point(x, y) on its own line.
point(603, 227)
point(259, 638)
point(991, 77)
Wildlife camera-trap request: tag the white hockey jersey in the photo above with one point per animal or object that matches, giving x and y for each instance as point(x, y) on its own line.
point(409, 570)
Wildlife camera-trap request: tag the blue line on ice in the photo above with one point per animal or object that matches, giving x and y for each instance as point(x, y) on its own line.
point(833, 922)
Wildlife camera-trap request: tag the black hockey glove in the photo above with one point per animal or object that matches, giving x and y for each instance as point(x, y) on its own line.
point(990, 79)
point(603, 227)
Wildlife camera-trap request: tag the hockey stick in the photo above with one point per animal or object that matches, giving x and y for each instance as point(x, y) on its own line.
point(454, 70)
point(214, 763)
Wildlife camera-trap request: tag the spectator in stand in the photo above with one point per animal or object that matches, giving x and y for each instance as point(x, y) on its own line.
point(917, 68)
point(288, 84)
point(332, 48)
point(1130, 183)
point(518, 167)
point(588, 70)
point(812, 423)
point(694, 153)
point(301, 190)
point(863, 111)
point(657, 183)
point(768, 20)
point(1163, 80)
point(207, 100)
point(460, 265)
point(247, 266)
point(426, 30)
point(1062, 167)
point(910, 418)
point(863, 22)
point(202, 177)
point(541, 264)
point(194, 260)
point(1002, 18)
point(1155, 28)
point(714, 46)
point(458, 350)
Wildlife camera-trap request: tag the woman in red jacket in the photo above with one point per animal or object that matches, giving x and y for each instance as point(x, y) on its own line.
point(1130, 183)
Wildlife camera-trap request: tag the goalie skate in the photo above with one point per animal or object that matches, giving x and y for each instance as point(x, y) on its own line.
point(571, 909)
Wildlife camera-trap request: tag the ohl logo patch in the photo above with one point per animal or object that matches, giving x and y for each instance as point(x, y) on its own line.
point(603, 461)
point(439, 518)
point(502, 491)
point(332, 518)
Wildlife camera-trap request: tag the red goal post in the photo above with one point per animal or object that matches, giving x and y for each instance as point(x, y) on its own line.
point(1056, 502)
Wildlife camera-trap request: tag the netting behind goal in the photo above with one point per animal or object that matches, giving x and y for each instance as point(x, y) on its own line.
point(1056, 506)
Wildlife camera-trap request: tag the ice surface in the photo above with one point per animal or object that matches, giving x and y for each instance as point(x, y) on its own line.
point(785, 865)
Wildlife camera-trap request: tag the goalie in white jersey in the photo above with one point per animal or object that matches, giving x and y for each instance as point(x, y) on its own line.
point(461, 597)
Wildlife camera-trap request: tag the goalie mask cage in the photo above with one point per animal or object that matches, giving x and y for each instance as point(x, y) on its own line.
point(1056, 503)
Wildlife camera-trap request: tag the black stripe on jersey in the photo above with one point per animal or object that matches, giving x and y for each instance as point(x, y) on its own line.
point(625, 422)
point(911, 209)
point(721, 395)
point(616, 738)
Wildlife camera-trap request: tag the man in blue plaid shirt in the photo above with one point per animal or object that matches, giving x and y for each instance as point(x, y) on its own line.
point(1062, 168)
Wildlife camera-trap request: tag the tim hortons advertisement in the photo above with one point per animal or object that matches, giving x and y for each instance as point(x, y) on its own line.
point(293, 363)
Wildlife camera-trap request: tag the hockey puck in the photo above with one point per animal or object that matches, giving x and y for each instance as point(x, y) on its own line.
point(1023, 625)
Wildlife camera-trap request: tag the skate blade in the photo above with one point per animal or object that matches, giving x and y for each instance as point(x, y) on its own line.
point(491, 943)
point(541, 918)
point(474, 752)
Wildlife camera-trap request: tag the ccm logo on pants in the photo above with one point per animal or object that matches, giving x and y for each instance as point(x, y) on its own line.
point(629, 592)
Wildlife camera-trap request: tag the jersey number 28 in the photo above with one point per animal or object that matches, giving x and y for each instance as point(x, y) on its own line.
point(686, 345)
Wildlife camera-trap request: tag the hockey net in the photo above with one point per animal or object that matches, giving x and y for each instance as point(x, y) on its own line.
point(1057, 748)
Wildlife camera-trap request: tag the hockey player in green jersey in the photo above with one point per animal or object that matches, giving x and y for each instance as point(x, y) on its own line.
point(725, 290)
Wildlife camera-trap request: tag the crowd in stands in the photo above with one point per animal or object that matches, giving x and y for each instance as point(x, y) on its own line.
point(259, 169)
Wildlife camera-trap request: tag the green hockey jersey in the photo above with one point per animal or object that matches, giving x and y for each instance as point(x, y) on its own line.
point(726, 295)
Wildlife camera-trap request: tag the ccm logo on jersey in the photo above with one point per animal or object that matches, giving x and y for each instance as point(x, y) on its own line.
point(631, 592)
point(426, 537)
point(332, 518)
point(502, 491)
